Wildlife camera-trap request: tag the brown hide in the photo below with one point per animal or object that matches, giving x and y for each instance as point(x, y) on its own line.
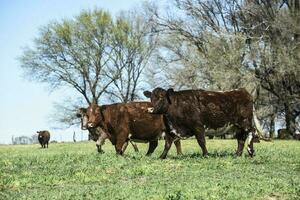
point(124, 121)
point(192, 111)
point(43, 137)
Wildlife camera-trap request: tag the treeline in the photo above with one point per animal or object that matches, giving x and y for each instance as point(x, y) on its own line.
point(209, 44)
point(25, 139)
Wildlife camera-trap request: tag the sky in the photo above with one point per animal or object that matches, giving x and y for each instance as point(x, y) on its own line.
point(26, 106)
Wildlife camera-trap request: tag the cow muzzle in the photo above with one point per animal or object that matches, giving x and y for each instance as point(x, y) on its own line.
point(150, 110)
point(90, 125)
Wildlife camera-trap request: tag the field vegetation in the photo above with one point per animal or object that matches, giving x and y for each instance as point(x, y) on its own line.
point(77, 171)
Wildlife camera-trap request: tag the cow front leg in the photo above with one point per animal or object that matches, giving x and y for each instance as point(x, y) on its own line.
point(125, 146)
point(201, 141)
point(134, 146)
point(120, 144)
point(178, 146)
point(241, 138)
point(152, 147)
point(250, 142)
point(100, 142)
point(168, 144)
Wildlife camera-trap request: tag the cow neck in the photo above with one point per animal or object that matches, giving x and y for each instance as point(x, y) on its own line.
point(101, 113)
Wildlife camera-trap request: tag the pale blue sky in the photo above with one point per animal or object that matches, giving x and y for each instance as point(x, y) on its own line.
point(25, 106)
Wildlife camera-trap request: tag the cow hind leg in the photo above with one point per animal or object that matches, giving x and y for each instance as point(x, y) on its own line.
point(178, 146)
point(152, 147)
point(201, 141)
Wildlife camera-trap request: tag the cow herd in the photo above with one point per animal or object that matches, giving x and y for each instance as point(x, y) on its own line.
point(172, 115)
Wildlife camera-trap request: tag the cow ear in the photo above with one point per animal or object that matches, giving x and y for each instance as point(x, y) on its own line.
point(81, 112)
point(147, 94)
point(170, 91)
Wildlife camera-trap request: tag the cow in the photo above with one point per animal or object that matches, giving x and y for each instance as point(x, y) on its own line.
point(129, 121)
point(191, 112)
point(43, 137)
point(96, 134)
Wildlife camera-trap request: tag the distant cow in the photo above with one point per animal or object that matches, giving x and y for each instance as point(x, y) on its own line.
point(43, 137)
point(191, 112)
point(128, 121)
point(97, 134)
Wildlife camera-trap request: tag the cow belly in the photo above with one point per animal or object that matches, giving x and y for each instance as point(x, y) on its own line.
point(228, 129)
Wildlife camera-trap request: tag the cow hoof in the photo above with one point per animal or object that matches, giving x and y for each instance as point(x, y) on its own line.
point(251, 153)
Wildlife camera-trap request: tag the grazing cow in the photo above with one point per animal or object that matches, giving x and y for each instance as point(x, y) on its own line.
point(191, 112)
point(128, 121)
point(97, 134)
point(43, 137)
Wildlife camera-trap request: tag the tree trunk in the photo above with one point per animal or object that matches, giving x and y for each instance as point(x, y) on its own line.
point(272, 126)
point(290, 119)
point(74, 137)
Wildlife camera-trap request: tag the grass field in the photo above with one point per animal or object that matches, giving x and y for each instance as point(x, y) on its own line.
point(76, 171)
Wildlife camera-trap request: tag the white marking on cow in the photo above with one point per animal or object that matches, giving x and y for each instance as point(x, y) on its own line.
point(249, 140)
point(250, 137)
point(150, 110)
point(163, 134)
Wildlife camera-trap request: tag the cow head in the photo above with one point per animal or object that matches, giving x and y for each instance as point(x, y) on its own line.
point(84, 118)
point(94, 115)
point(160, 100)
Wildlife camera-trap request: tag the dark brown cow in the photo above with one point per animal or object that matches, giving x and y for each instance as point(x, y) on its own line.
point(128, 121)
point(43, 137)
point(191, 112)
point(97, 134)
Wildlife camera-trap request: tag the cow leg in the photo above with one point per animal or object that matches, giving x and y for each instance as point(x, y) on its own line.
point(125, 146)
point(119, 145)
point(201, 141)
point(250, 148)
point(134, 146)
point(152, 147)
point(100, 142)
point(178, 146)
point(241, 138)
point(47, 144)
point(168, 144)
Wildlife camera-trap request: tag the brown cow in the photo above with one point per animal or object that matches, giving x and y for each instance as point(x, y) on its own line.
point(128, 121)
point(191, 112)
point(97, 134)
point(43, 137)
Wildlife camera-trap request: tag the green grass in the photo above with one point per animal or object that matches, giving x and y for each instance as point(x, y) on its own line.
point(76, 171)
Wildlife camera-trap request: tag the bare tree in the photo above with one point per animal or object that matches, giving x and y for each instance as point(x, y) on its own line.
point(133, 49)
point(238, 43)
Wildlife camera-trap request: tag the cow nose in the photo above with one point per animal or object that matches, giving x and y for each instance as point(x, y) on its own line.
point(150, 110)
point(90, 125)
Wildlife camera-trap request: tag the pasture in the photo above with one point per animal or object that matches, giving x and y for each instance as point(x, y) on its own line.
point(77, 171)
